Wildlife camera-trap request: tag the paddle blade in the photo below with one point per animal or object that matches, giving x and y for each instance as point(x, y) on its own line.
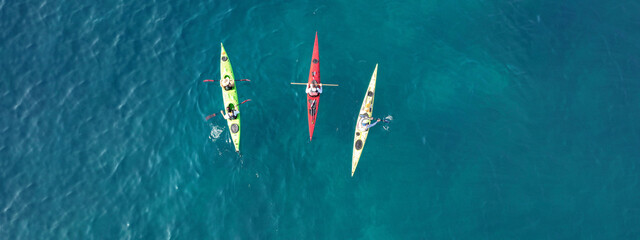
point(209, 117)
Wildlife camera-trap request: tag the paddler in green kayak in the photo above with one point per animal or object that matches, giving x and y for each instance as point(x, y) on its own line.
point(226, 83)
point(232, 112)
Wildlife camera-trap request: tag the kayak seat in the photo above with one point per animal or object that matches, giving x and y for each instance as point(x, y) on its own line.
point(361, 122)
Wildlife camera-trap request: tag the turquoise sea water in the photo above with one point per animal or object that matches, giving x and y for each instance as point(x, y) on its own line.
point(512, 120)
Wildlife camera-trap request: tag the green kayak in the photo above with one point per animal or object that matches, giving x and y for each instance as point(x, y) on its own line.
point(230, 97)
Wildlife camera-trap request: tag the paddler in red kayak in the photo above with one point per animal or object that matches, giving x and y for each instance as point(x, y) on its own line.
point(314, 89)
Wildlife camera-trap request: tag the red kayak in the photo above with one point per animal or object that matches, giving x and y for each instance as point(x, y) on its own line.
point(314, 74)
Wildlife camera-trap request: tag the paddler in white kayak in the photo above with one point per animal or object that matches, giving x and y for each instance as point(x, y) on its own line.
point(364, 123)
point(364, 126)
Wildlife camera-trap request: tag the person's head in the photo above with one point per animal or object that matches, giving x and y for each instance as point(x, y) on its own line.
point(314, 83)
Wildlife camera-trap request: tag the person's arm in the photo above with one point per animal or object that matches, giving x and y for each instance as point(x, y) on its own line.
point(373, 124)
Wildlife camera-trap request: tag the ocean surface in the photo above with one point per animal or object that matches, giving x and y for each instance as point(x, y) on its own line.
point(511, 120)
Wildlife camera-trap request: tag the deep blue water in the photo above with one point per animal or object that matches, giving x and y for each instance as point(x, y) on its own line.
point(511, 120)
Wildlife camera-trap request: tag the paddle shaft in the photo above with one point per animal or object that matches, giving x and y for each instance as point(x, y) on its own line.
point(240, 80)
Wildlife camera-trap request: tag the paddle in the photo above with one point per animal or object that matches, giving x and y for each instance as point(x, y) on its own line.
point(213, 115)
point(238, 80)
point(323, 84)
